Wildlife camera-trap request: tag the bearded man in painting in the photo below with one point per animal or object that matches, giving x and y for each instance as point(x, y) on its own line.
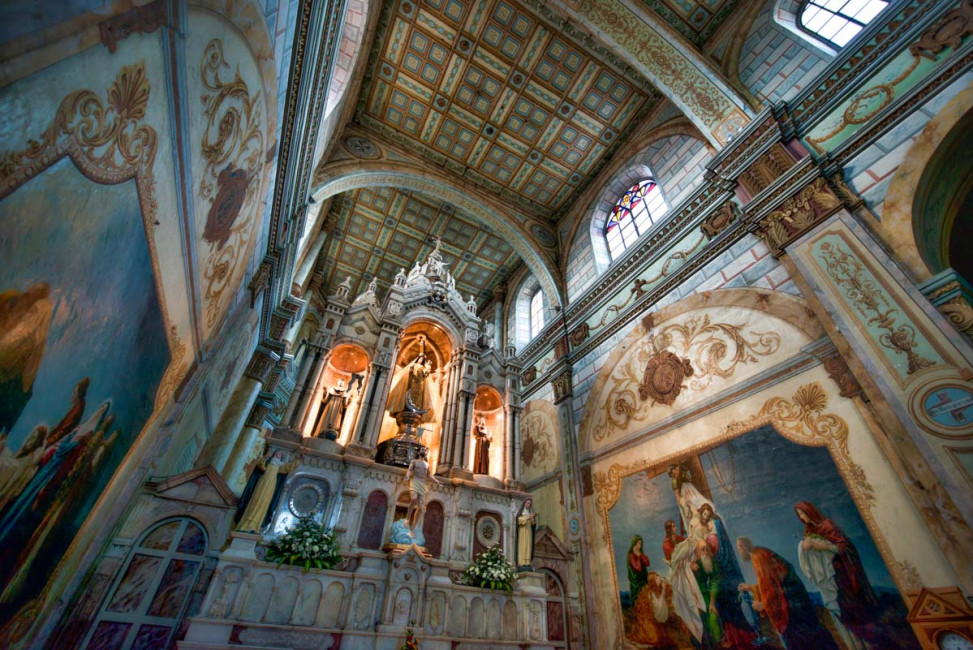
point(780, 595)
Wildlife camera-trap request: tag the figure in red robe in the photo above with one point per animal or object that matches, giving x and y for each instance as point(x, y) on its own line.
point(672, 538)
point(856, 599)
point(780, 595)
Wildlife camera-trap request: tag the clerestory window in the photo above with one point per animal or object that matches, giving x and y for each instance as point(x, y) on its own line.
point(641, 206)
point(838, 21)
point(536, 314)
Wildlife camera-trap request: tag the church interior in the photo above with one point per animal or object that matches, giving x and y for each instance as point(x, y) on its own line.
point(486, 324)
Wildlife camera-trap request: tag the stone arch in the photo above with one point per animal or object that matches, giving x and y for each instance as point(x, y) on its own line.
point(785, 307)
point(897, 228)
point(349, 51)
point(519, 231)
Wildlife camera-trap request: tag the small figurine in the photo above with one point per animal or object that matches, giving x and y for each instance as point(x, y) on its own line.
point(481, 457)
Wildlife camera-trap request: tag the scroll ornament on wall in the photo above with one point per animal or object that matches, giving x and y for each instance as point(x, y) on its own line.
point(680, 356)
point(232, 147)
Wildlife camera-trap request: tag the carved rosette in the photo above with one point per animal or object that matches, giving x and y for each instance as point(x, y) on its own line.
point(663, 377)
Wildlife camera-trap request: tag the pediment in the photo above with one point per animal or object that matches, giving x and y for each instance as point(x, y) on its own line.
point(202, 486)
point(939, 605)
point(547, 545)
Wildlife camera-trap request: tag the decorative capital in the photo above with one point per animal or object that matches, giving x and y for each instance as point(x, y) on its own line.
point(798, 214)
point(841, 375)
point(260, 281)
point(259, 413)
point(562, 386)
point(261, 363)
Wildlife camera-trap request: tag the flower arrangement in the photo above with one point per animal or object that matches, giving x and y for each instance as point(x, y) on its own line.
point(307, 544)
point(411, 642)
point(490, 570)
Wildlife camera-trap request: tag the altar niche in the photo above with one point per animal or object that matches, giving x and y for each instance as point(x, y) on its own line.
point(487, 442)
point(413, 413)
point(338, 394)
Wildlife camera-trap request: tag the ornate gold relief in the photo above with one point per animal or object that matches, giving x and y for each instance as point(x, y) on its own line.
point(948, 31)
point(803, 210)
point(838, 371)
point(109, 143)
point(766, 169)
point(960, 314)
point(233, 147)
point(802, 419)
point(872, 302)
point(720, 220)
point(711, 349)
point(663, 378)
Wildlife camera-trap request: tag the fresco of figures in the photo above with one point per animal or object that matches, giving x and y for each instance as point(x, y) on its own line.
point(82, 352)
point(755, 543)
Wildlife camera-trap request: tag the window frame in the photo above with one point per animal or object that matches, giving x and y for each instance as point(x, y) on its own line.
point(533, 329)
point(639, 219)
point(850, 19)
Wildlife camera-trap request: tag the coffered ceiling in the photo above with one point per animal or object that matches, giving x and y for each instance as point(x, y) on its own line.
point(489, 90)
point(697, 20)
point(381, 230)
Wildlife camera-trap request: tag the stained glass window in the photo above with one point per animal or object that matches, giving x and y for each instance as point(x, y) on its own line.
point(149, 599)
point(837, 21)
point(536, 314)
point(633, 215)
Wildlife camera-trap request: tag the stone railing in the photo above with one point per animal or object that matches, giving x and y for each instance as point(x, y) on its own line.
point(258, 604)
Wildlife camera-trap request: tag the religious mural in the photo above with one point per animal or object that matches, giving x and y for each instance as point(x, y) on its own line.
point(82, 355)
point(753, 543)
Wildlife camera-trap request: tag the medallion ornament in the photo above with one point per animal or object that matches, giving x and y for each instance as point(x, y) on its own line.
point(656, 370)
point(663, 378)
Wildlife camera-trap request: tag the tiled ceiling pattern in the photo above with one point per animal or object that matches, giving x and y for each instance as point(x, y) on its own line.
point(486, 88)
point(381, 230)
point(697, 20)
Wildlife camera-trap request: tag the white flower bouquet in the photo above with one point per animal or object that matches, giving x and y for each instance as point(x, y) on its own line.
point(490, 570)
point(307, 544)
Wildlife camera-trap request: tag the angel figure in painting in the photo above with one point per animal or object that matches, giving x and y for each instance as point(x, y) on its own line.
point(263, 494)
point(526, 525)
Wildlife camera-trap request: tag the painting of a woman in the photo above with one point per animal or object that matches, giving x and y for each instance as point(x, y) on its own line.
point(638, 567)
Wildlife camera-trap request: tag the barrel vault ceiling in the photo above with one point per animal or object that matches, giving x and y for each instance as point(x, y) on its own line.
point(490, 91)
point(384, 229)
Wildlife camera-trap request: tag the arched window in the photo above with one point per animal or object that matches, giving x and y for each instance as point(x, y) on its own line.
point(536, 314)
point(838, 21)
point(150, 596)
point(633, 215)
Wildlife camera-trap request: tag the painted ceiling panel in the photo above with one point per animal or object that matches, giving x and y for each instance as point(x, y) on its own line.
point(492, 90)
point(382, 230)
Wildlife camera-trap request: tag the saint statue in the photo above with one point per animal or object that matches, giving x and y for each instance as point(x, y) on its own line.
point(332, 412)
point(414, 390)
point(526, 524)
point(416, 476)
point(263, 494)
point(481, 458)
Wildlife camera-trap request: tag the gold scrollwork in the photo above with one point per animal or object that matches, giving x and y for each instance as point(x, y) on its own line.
point(233, 147)
point(713, 350)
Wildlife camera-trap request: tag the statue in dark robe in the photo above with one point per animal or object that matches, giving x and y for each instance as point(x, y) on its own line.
point(481, 457)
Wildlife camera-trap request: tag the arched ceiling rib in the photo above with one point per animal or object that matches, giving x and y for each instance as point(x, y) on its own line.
point(525, 238)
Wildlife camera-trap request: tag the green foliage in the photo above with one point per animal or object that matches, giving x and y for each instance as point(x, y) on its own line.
point(491, 570)
point(307, 544)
